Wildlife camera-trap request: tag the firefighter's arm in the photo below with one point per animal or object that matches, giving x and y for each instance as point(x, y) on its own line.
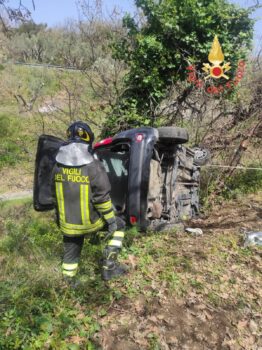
point(101, 187)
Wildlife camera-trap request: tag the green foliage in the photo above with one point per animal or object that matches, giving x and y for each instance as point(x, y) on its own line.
point(244, 182)
point(26, 90)
point(130, 236)
point(174, 34)
point(30, 28)
point(10, 152)
point(74, 45)
point(38, 310)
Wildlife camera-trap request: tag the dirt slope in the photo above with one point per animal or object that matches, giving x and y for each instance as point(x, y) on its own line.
point(214, 300)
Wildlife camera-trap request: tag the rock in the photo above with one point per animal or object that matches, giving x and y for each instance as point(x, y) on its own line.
point(253, 326)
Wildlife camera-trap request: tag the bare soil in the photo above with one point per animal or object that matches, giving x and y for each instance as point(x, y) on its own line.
point(15, 179)
point(219, 304)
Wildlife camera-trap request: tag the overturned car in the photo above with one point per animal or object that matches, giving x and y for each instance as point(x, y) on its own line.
point(154, 177)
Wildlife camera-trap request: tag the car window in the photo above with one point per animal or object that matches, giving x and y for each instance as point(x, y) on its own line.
point(116, 162)
point(119, 166)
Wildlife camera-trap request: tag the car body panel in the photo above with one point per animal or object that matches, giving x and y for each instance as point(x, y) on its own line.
point(142, 141)
point(153, 184)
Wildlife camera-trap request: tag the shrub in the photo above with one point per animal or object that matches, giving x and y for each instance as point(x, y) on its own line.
point(244, 181)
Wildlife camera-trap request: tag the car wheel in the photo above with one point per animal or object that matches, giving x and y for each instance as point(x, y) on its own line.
point(202, 155)
point(173, 134)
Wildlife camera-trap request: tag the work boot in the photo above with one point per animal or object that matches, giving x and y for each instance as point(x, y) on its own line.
point(111, 267)
point(72, 282)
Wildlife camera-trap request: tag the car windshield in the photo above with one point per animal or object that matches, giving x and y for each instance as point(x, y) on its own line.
point(116, 161)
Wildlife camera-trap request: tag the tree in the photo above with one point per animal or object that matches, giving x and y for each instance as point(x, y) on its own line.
point(25, 47)
point(30, 28)
point(172, 35)
point(14, 14)
point(105, 74)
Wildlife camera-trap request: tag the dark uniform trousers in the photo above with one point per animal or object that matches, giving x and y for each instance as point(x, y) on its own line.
point(73, 247)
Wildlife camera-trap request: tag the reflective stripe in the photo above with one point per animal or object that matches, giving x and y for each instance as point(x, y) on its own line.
point(120, 239)
point(87, 205)
point(60, 200)
point(115, 243)
point(75, 230)
point(69, 267)
point(82, 227)
point(82, 209)
point(69, 273)
point(84, 204)
point(118, 234)
point(109, 215)
point(104, 204)
point(102, 207)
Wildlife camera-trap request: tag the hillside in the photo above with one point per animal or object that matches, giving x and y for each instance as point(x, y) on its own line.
point(37, 100)
point(183, 292)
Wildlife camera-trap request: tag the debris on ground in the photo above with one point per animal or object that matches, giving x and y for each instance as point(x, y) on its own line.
point(194, 231)
point(253, 238)
point(201, 294)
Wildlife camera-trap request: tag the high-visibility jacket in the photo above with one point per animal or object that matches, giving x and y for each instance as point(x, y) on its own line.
point(81, 189)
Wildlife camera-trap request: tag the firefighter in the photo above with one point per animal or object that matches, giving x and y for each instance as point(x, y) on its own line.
point(81, 190)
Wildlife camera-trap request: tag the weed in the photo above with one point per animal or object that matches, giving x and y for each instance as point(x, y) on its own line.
point(130, 236)
point(196, 284)
point(38, 310)
point(154, 341)
point(10, 150)
point(214, 298)
point(243, 182)
point(183, 262)
point(169, 276)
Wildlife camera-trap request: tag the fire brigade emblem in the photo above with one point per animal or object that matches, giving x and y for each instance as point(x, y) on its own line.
point(216, 57)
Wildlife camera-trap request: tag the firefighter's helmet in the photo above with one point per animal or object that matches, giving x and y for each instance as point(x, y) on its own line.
point(80, 131)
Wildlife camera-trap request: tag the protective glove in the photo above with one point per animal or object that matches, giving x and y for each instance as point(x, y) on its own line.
point(112, 227)
point(107, 212)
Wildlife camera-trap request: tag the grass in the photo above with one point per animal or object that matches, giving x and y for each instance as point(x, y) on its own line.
point(21, 126)
point(10, 147)
point(244, 182)
point(38, 309)
point(40, 312)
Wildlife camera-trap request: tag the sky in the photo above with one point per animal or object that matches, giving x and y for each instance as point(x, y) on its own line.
point(56, 12)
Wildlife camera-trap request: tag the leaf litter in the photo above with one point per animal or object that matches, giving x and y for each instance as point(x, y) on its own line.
point(215, 302)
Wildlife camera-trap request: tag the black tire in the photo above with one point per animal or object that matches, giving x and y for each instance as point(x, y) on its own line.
point(171, 134)
point(202, 155)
